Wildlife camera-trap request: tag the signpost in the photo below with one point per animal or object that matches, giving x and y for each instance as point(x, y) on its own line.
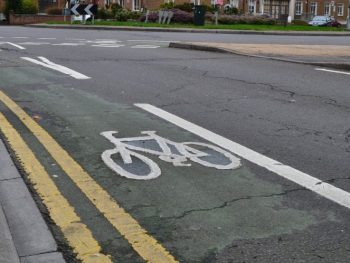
point(83, 10)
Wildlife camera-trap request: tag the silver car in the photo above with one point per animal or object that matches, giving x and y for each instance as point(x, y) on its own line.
point(320, 21)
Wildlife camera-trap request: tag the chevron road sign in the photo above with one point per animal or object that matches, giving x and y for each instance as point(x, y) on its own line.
point(81, 9)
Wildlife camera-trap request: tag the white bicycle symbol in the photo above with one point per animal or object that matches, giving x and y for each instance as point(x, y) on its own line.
point(173, 152)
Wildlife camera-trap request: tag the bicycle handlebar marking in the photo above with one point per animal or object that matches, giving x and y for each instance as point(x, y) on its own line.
point(184, 154)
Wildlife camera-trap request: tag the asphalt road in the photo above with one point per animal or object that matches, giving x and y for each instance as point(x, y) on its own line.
point(291, 113)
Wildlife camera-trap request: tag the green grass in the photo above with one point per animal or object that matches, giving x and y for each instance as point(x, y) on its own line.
point(211, 26)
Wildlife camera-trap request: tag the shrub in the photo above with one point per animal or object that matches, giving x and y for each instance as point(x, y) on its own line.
point(187, 7)
point(29, 7)
point(169, 5)
point(228, 10)
point(152, 17)
point(253, 20)
point(115, 8)
point(104, 14)
point(182, 16)
point(124, 15)
point(179, 17)
point(54, 11)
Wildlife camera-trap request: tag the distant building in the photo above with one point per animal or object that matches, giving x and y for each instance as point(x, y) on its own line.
point(297, 9)
point(310, 8)
point(2, 5)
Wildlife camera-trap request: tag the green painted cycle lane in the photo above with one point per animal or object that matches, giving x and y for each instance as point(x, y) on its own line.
point(193, 211)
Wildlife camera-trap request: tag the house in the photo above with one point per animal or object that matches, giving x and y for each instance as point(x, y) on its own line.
point(2, 5)
point(339, 9)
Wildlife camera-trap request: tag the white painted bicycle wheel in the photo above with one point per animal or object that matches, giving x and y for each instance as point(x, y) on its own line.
point(233, 161)
point(154, 168)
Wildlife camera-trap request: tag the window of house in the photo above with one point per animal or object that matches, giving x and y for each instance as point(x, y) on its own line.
point(313, 9)
point(137, 5)
point(298, 8)
point(327, 9)
point(121, 3)
point(251, 6)
point(340, 9)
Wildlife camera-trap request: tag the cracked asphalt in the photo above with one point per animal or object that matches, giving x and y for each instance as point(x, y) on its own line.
point(291, 113)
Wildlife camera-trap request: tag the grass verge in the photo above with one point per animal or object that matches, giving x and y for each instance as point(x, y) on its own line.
point(212, 26)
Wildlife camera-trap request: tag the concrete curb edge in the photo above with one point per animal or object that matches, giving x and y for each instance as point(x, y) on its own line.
point(335, 65)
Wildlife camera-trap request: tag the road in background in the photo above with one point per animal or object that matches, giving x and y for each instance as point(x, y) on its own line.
point(292, 113)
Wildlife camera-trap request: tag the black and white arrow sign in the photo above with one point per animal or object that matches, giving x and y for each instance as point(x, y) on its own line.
point(88, 9)
point(80, 9)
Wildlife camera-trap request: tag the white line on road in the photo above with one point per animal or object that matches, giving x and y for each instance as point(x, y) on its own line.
point(13, 44)
point(48, 64)
point(76, 39)
point(145, 46)
point(324, 189)
point(34, 43)
point(108, 45)
point(69, 44)
point(46, 38)
point(19, 37)
point(139, 40)
point(333, 71)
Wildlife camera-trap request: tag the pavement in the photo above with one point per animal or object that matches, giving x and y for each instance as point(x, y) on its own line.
point(25, 237)
point(332, 56)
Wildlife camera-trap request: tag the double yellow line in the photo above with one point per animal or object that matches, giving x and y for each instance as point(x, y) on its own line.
point(77, 234)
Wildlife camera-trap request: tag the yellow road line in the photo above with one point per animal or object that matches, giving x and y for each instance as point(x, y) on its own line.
point(77, 234)
point(145, 245)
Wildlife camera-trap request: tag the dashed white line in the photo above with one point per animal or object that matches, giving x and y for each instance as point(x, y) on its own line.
point(48, 64)
point(34, 43)
point(76, 39)
point(68, 44)
point(333, 71)
point(108, 45)
point(316, 185)
point(145, 46)
point(19, 37)
point(46, 38)
point(160, 41)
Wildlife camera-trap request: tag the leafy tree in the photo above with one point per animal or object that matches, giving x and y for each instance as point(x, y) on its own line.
point(13, 5)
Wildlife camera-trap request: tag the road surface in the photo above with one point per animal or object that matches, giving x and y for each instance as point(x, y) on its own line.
point(276, 188)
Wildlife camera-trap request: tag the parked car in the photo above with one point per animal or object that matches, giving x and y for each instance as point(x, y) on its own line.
point(324, 21)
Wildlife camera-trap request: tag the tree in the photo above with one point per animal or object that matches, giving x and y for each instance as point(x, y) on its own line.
point(13, 5)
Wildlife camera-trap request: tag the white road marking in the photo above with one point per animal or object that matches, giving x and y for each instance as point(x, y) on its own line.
point(184, 152)
point(19, 37)
point(76, 39)
point(145, 46)
point(108, 45)
point(13, 44)
point(46, 38)
point(48, 64)
point(34, 43)
point(109, 40)
point(69, 44)
point(333, 71)
point(160, 41)
point(316, 185)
